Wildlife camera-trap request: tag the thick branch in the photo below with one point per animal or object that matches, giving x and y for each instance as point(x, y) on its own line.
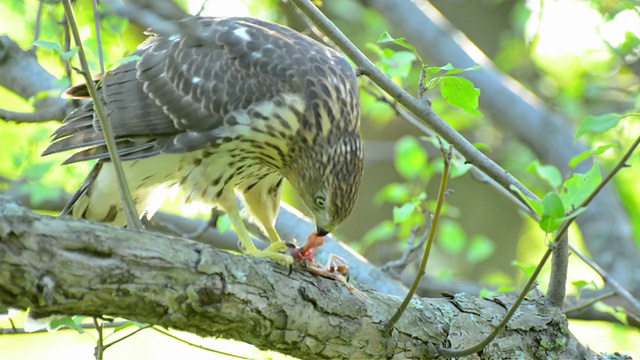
point(192, 287)
point(21, 73)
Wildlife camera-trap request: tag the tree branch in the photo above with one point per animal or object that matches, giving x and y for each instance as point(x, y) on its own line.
point(189, 286)
point(21, 73)
point(420, 109)
point(608, 234)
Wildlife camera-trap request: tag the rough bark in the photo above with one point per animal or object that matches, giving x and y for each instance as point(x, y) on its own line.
point(64, 266)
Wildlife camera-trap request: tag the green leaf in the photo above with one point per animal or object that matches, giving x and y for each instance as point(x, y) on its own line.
point(451, 237)
point(488, 293)
point(114, 24)
point(386, 38)
point(580, 285)
point(70, 322)
point(572, 214)
point(598, 124)
point(223, 224)
point(399, 64)
point(549, 173)
point(631, 41)
point(404, 212)
point(482, 146)
point(49, 45)
point(535, 205)
point(579, 187)
point(461, 93)
point(383, 231)
point(44, 95)
point(617, 312)
point(126, 325)
point(458, 167)
point(453, 71)
point(449, 69)
point(69, 54)
point(39, 194)
point(553, 211)
point(480, 249)
point(376, 49)
point(527, 268)
point(395, 193)
point(589, 153)
point(36, 171)
point(411, 157)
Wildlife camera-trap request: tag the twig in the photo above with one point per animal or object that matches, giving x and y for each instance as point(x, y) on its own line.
point(528, 286)
point(96, 21)
point(67, 48)
point(20, 331)
point(444, 181)
point(590, 301)
point(561, 232)
point(99, 350)
point(396, 267)
point(475, 172)
point(105, 347)
point(618, 288)
point(196, 345)
point(130, 210)
point(36, 30)
point(422, 111)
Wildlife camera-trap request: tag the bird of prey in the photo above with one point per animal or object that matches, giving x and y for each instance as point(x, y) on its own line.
point(229, 108)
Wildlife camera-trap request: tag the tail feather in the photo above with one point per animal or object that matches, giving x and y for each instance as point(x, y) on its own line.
point(98, 199)
point(82, 191)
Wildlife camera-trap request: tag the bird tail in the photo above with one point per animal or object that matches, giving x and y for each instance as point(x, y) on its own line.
point(98, 199)
point(81, 194)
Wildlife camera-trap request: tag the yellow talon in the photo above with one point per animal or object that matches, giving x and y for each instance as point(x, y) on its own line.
point(269, 253)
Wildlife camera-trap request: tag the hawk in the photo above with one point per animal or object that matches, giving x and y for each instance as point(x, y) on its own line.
point(232, 109)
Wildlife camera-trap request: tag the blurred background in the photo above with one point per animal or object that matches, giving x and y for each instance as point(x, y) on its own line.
point(579, 57)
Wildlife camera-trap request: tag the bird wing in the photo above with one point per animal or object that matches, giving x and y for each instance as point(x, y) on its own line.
point(178, 89)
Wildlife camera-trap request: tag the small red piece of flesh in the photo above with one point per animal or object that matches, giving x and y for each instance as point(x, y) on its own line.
point(308, 251)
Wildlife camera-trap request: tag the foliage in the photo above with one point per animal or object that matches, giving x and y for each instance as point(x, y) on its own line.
point(601, 91)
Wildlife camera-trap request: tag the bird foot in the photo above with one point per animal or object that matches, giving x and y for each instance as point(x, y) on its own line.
point(274, 252)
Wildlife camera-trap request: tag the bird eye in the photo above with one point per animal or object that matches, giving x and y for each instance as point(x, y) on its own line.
point(319, 201)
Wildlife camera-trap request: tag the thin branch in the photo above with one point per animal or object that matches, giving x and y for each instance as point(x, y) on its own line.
point(36, 30)
point(446, 154)
point(96, 21)
point(478, 175)
point(585, 304)
point(396, 267)
point(22, 331)
point(125, 193)
point(100, 348)
point(608, 233)
point(165, 333)
point(42, 115)
point(67, 48)
point(498, 328)
point(105, 347)
point(617, 287)
point(562, 231)
point(421, 110)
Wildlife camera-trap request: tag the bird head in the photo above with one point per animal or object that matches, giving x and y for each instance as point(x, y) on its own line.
point(327, 177)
